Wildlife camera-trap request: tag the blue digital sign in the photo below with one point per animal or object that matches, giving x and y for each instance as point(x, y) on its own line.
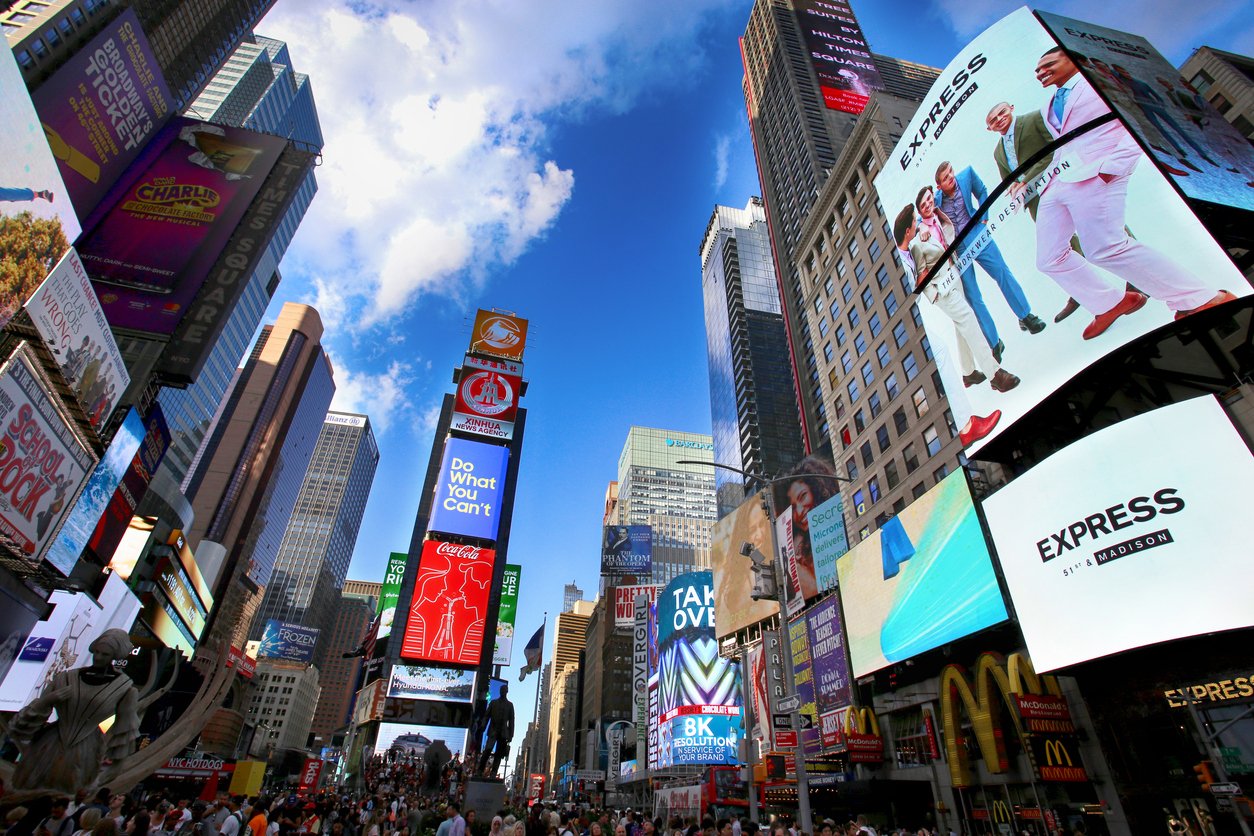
point(468, 495)
point(288, 641)
point(697, 739)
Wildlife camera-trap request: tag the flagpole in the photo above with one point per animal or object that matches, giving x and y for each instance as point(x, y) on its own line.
point(535, 717)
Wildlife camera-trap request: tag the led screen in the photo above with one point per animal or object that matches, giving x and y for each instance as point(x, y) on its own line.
point(468, 495)
point(420, 682)
point(450, 604)
point(408, 741)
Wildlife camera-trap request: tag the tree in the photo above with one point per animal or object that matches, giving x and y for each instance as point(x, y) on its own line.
point(29, 248)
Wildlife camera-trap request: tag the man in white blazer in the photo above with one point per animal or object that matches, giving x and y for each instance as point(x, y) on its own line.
point(1088, 199)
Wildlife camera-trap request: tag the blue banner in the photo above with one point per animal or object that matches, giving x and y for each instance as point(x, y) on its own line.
point(468, 495)
point(285, 640)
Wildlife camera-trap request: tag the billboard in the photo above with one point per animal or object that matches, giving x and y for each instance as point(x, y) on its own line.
point(285, 640)
point(1132, 532)
point(411, 742)
point(419, 682)
point(827, 655)
point(813, 482)
point(42, 463)
point(64, 550)
point(627, 550)
point(37, 222)
point(469, 491)
point(487, 398)
point(152, 248)
point(390, 592)
point(733, 571)
point(506, 615)
point(625, 602)
point(117, 517)
point(450, 604)
point(828, 540)
point(499, 335)
point(923, 579)
point(68, 317)
point(1013, 195)
point(803, 680)
point(1205, 155)
point(101, 108)
point(839, 52)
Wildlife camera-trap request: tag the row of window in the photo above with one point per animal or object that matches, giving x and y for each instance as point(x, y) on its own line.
point(51, 38)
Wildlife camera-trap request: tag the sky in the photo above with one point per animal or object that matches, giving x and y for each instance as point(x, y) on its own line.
point(560, 160)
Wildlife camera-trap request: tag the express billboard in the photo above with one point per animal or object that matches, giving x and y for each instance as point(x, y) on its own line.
point(468, 493)
point(422, 682)
point(809, 485)
point(498, 335)
point(733, 571)
point(390, 592)
point(288, 641)
point(506, 614)
point(486, 401)
point(1015, 194)
point(121, 508)
point(839, 52)
point(922, 579)
point(450, 604)
point(1133, 531)
point(627, 550)
point(150, 250)
point(101, 107)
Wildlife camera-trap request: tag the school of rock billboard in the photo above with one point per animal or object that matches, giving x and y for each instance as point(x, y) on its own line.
point(1038, 233)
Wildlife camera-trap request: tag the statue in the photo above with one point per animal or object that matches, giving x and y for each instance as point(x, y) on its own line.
point(500, 731)
point(73, 753)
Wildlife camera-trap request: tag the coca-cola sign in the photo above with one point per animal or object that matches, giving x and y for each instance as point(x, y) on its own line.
point(450, 604)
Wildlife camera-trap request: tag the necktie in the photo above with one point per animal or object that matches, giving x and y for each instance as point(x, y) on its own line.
point(1060, 101)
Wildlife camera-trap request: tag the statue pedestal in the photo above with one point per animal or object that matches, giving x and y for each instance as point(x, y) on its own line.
point(486, 796)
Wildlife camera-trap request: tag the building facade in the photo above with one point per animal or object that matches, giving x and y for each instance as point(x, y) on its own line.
point(570, 594)
point(569, 641)
point(339, 675)
point(1227, 82)
point(281, 705)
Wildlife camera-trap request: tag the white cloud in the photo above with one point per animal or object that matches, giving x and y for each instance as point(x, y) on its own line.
point(381, 396)
point(435, 115)
point(722, 154)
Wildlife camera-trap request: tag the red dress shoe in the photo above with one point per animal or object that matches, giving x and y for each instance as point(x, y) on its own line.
point(1219, 298)
point(978, 427)
point(1130, 303)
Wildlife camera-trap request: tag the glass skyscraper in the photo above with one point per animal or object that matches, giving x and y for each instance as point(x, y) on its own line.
point(753, 404)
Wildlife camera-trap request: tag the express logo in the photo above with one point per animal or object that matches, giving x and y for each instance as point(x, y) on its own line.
point(501, 333)
point(487, 393)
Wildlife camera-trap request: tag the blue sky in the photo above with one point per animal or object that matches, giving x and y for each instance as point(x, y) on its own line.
point(559, 159)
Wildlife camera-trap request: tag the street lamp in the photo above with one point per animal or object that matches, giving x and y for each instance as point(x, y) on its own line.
point(781, 587)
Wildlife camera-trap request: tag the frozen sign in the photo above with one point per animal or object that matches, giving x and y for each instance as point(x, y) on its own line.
point(468, 496)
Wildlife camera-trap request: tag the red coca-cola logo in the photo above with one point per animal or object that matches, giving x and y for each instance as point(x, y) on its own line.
point(459, 551)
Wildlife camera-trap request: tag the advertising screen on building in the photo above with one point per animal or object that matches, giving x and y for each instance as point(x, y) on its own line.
point(49, 464)
point(627, 550)
point(1204, 154)
point(68, 317)
point(839, 52)
point(1012, 195)
point(625, 602)
point(1133, 532)
point(64, 550)
point(101, 108)
point(828, 540)
point(499, 335)
point(288, 641)
point(733, 571)
point(803, 679)
point(925, 578)
point(450, 604)
point(468, 494)
point(151, 250)
point(407, 742)
point(420, 682)
point(812, 485)
point(506, 615)
point(487, 397)
point(113, 524)
point(827, 655)
point(390, 593)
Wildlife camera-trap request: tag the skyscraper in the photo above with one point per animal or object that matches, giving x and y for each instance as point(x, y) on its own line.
point(317, 547)
point(752, 400)
point(570, 594)
point(338, 674)
point(568, 644)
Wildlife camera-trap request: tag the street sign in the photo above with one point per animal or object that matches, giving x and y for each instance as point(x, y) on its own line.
point(1224, 803)
point(781, 721)
point(805, 721)
point(788, 704)
point(1230, 788)
point(786, 739)
point(590, 775)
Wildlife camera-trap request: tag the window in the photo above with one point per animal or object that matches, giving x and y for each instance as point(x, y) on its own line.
point(846, 362)
point(852, 388)
point(52, 36)
point(853, 247)
point(890, 386)
point(859, 342)
point(845, 438)
point(876, 325)
point(936, 382)
point(882, 438)
point(873, 488)
point(910, 366)
point(890, 303)
point(874, 403)
point(818, 304)
point(840, 269)
point(927, 349)
point(918, 490)
point(900, 421)
point(859, 271)
point(1218, 100)
point(868, 455)
point(1245, 126)
point(868, 299)
point(899, 505)
point(931, 440)
point(940, 473)
point(829, 287)
point(854, 318)
point(39, 48)
point(65, 26)
point(920, 402)
point(851, 468)
point(950, 425)
point(834, 309)
point(881, 276)
point(846, 292)
point(873, 249)
point(1202, 81)
point(868, 373)
point(911, 459)
point(823, 324)
point(859, 421)
point(859, 505)
point(827, 352)
point(914, 314)
point(899, 334)
point(25, 60)
point(890, 475)
point(866, 226)
point(881, 353)
point(841, 334)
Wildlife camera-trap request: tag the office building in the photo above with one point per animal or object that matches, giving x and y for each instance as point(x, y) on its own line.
point(281, 705)
point(570, 594)
point(1226, 81)
point(363, 589)
point(317, 547)
point(753, 404)
point(568, 644)
point(606, 670)
point(353, 615)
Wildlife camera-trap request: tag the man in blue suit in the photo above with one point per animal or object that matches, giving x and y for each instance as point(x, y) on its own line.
point(959, 195)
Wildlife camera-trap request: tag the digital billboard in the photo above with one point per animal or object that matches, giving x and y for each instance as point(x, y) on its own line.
point(1204, 154)
point(390, 592)
point(506, 614)
point(809, 485)
point(450, 604)
point(410, 742)
point(151, 249)
point(803, 681)
point(121, 508)
point(499, 334)
point(923, 579)
point(625, 602)
point(839, 52)
point(421, 682)
point(828, 539)
point(469, 491)
point(288, 641)
point(42, 463)
point(487, 397)
point(1040, 235)
point(1132, 532)
point(627, 550)
point(101, 108)
point(827, 655)
point(63, 551)
point(733, 571)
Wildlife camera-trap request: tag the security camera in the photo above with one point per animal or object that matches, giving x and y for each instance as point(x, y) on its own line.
point(746, 549)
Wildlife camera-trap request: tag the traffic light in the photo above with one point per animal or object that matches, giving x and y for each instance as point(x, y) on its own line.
point(1205, 776)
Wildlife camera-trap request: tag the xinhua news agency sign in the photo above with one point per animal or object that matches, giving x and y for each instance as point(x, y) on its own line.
point(468, 495)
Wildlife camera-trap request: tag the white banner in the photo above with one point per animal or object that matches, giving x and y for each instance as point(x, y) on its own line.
point(625, 603)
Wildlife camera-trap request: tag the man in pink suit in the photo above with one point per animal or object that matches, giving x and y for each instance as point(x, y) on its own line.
point(1088, 199)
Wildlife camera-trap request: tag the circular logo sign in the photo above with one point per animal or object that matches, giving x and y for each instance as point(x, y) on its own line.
point(487, 393)
point(500, 332)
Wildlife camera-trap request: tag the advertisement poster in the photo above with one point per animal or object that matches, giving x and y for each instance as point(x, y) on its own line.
point(1204, 154)
point(411, 742)
point(117, 517)
point(175, 588)
point(390, 593)
point(627, 550)
point(733, 571)
point(487, 399)
point(625, 602)
point(839, 52)
point(17, 618)
point(506, 615)
point(64, 550)
point(450, 604)
point(640, 676)
point(69, 318)
point(827, 655)
point(101, 108)
point(783, 536)
point(828, 540)
point(42, 464)
point(803, 679)
point(151, 250)
point(419, 682)
point(1133, 532)
point(499, 335)
point(812, 484)
point(468, 495)
point(925, 578)
point(37, 222)
point(1025, 218)
point(285, 640)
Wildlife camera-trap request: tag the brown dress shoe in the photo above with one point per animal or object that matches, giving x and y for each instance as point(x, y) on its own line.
point(1003, 381)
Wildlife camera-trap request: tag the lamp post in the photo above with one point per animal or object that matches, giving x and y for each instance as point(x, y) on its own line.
point(781, 588)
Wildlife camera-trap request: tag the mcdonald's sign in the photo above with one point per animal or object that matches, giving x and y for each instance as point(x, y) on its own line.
point(1001, 813)
point(863, 741)
point(1056, 758)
